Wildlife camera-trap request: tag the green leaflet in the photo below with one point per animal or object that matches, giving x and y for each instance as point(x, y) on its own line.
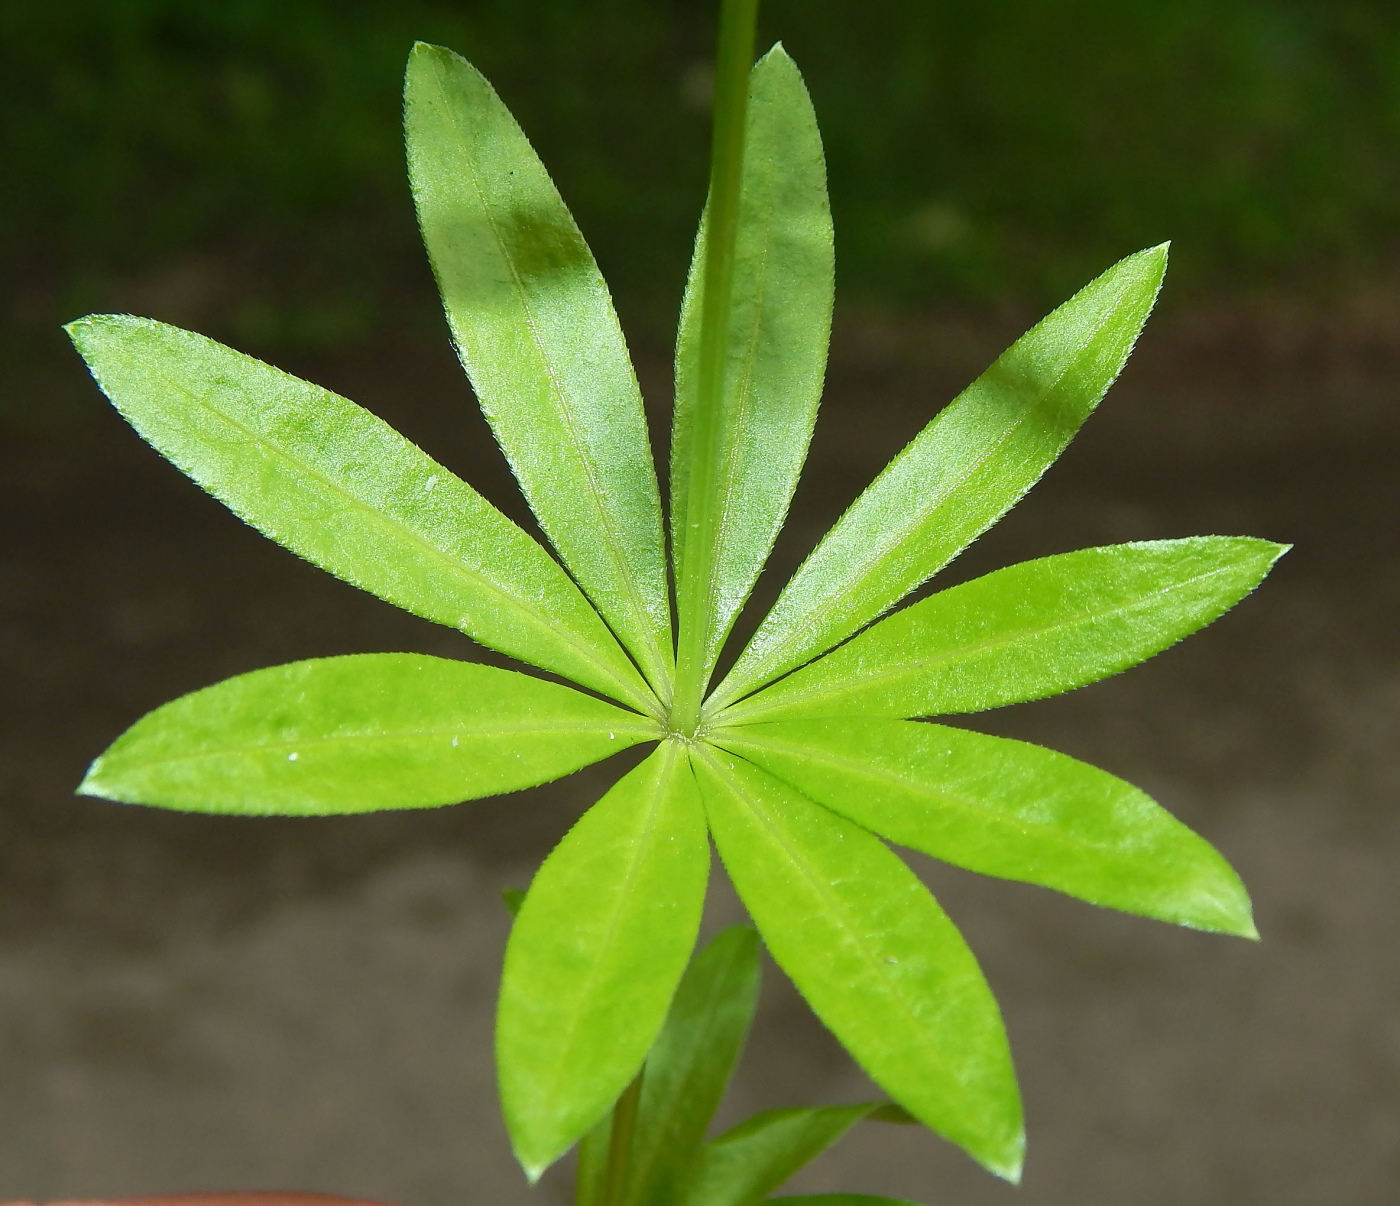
point(970, 465)
point(536, 333)
point(758, 1155)
point(594, 956)
point(1024, 632)
point(343, 489)
point(779, 328)
point(874, 955)
point(358, 734)
point(690, 1064)
point(1005, 808)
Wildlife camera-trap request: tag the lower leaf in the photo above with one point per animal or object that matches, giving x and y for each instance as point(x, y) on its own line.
point(840, 1199)
point(874, 955)
point(689, 1065)
point(591, 1174)
point(758, 1155)
point(594, 956)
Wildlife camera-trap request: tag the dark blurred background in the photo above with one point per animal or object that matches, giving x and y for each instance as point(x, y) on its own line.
point(196, 1003)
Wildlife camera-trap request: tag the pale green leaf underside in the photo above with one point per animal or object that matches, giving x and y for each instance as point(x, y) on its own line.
point(970, 465)
point(536, 332)
point(343, 489)
point(356, 734)
point(780, 326)
point(690, 1064)
point(1025, 632)
point(595, 954)
point(1005, 808)
point(744, 1164)
point(873, 954)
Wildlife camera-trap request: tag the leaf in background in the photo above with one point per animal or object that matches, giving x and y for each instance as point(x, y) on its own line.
point(690, 1064)
point(890, 1112)
point(840, 1199)
point(755, 1157)
point(1024, 632)
point(594, 956)
point(591, 1176)
point(343, 489)
point(1005, 808)
point(357, 734)
point(964, 471)
point(876, 958)
point(536, 332)
point(780, 327)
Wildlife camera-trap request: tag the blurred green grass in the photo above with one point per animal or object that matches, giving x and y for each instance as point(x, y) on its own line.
point(977, 152)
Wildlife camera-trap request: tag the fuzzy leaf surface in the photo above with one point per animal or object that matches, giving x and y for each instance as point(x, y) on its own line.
point(343, 489)
point(965, 470)
point(1006, 808)
point(1024, 632)
point(595, 954)
point(360, 733)
point(874, 955)
point(779, 330)
point(690, 1064)
point(535, 330)
point(744, 1164)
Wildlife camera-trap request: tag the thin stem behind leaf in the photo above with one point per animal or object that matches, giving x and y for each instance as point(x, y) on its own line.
point(738, 19)
point(624, 1119)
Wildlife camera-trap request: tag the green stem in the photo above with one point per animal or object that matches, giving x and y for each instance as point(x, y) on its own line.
point(624, 1119)
point(694, 591)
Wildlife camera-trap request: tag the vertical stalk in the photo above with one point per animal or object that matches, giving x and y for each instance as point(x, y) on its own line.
point(734, 59)
point(624, 1119)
